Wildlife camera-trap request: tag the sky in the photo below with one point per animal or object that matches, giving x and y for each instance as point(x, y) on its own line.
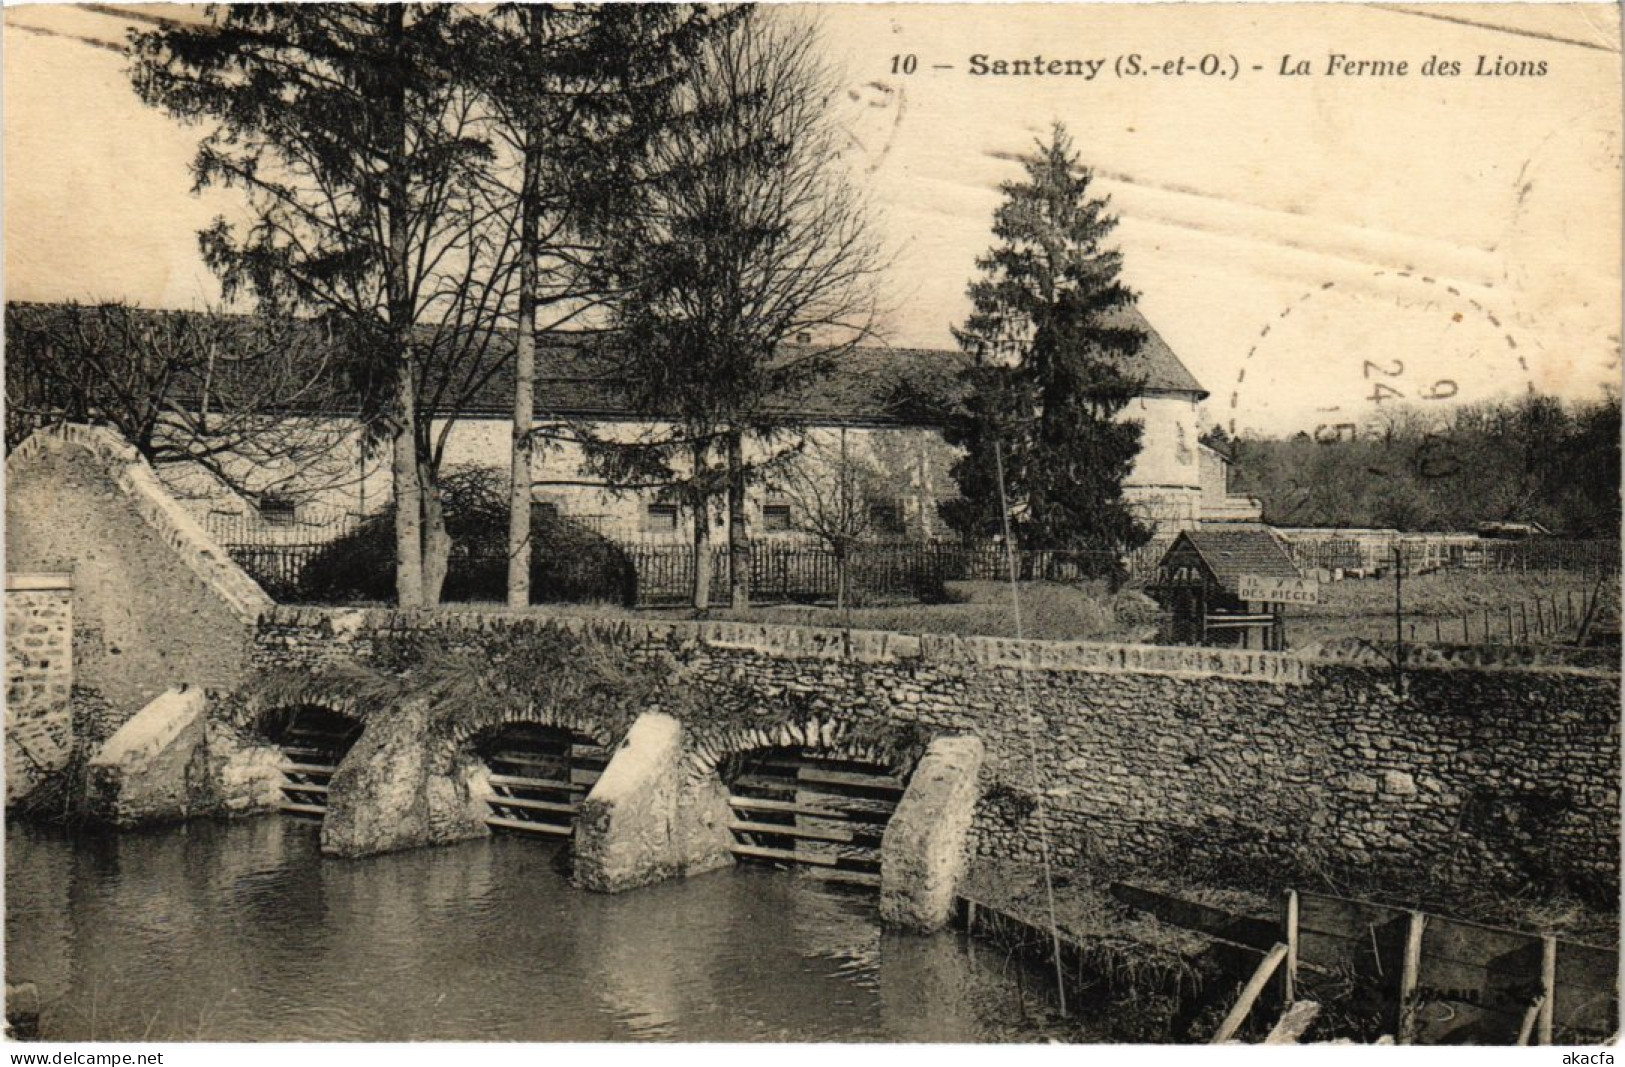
point(1317, 248)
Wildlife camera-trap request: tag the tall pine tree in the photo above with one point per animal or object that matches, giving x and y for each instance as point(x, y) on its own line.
point(1055, 355)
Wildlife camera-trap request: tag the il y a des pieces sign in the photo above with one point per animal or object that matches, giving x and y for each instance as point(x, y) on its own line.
point(1278, 590)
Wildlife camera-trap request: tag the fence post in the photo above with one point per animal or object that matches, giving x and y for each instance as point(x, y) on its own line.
point(1548, 986)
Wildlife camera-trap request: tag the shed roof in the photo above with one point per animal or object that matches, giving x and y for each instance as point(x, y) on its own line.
point(1235, 549)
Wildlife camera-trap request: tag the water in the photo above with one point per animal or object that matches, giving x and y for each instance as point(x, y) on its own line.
point(242, 931)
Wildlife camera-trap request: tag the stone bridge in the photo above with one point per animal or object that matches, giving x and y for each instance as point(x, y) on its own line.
point(1503, 774)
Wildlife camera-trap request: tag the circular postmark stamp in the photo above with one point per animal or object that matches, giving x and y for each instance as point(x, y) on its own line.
point(1345, 361)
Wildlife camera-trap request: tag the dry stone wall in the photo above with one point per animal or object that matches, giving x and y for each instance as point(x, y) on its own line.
point(1189, 758)
point(39, 679)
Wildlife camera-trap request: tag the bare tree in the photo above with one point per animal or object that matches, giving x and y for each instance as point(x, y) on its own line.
point(352, 133)
point(833, 494)
point(743, 269)
point(260, 404)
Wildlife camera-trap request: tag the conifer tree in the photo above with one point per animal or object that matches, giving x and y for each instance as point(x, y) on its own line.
point(1055, 358)
point(352, 140)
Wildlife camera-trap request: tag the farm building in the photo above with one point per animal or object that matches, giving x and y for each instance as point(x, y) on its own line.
point(851, 421)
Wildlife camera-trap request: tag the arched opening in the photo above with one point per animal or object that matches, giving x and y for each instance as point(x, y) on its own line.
point(538, 777)
point(313, 740)
point(812, 808)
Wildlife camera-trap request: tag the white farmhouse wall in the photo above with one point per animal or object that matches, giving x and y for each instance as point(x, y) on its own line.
point(1166, 486)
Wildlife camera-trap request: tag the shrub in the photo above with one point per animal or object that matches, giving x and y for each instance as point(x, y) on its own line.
point(569, 563)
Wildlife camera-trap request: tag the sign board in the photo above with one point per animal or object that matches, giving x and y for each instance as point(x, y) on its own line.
point(1278, 590)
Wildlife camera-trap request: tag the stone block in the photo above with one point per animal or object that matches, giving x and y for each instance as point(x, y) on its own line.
point(645, 819)
point(152, 767)
point(922, 854)
point(1398, 783)
point(376, 800)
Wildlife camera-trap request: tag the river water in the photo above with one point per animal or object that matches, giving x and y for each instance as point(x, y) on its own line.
point(242, 931)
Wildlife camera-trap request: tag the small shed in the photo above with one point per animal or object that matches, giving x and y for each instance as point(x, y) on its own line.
point(1229, 586)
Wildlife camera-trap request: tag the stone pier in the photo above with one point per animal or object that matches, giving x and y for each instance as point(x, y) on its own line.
point(645, 819)
point(923, 852)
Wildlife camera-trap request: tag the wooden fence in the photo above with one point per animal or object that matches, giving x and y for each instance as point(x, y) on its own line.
point(1423, 554)
point(1444, 980)
point(1542, 620)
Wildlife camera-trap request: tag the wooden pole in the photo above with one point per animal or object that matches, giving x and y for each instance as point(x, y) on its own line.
point(1529, 1017)
point(1408, 976)
point(1289, 921)
point(1249, 995)
point(1523, 622)
point(1540, 619)
point(1548, 986)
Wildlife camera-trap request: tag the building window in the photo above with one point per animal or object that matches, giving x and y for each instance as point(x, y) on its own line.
point(776, 518)
point(660, 518)
point(544, 511)
point(886, 517)
point(277, 510)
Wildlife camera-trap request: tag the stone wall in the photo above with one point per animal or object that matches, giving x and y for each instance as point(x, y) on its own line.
point(1177, 756)
point(39, 679)
point(156, 602)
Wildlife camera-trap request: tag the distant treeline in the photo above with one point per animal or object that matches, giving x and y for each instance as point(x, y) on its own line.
point(1535, 459)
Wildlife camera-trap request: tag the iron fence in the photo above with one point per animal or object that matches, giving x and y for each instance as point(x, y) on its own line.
point(778, 573)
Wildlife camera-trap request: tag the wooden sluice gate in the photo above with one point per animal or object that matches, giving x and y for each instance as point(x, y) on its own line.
point(797, 807)
point(539, 776)
point(313, 744)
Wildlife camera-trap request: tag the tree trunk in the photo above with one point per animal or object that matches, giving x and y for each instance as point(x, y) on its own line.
point(436, 542)
point(407, 487)
point(702, 535)
point(738, 535)
point(519, 504)
point(408, 491)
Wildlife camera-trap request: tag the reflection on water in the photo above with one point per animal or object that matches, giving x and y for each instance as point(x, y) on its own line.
point(242, 931)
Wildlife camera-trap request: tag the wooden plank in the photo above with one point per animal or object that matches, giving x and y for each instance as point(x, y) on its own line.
point(803, 833)
point(1548, 987)
point(1249, 994)
point(536, 785)
point(1294, 1023)
point(304, 809)
point(1587, 990)
point(529, 759)
point(1230, 926)
point(532, 805)
point(1341, 916)
point(327, 769)
point(790, 807)
point(310, 755)
point(1409, 970)
point(819, 776)
point(295, 787)
point(820, 784)
point(786, 855)
point(1527, 1028)
point(552, 829)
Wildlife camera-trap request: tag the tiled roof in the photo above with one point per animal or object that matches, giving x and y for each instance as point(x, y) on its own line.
point(1235, 549)
point(571, 382)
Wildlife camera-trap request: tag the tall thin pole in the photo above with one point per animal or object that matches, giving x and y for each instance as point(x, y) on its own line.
point(1032, 745)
